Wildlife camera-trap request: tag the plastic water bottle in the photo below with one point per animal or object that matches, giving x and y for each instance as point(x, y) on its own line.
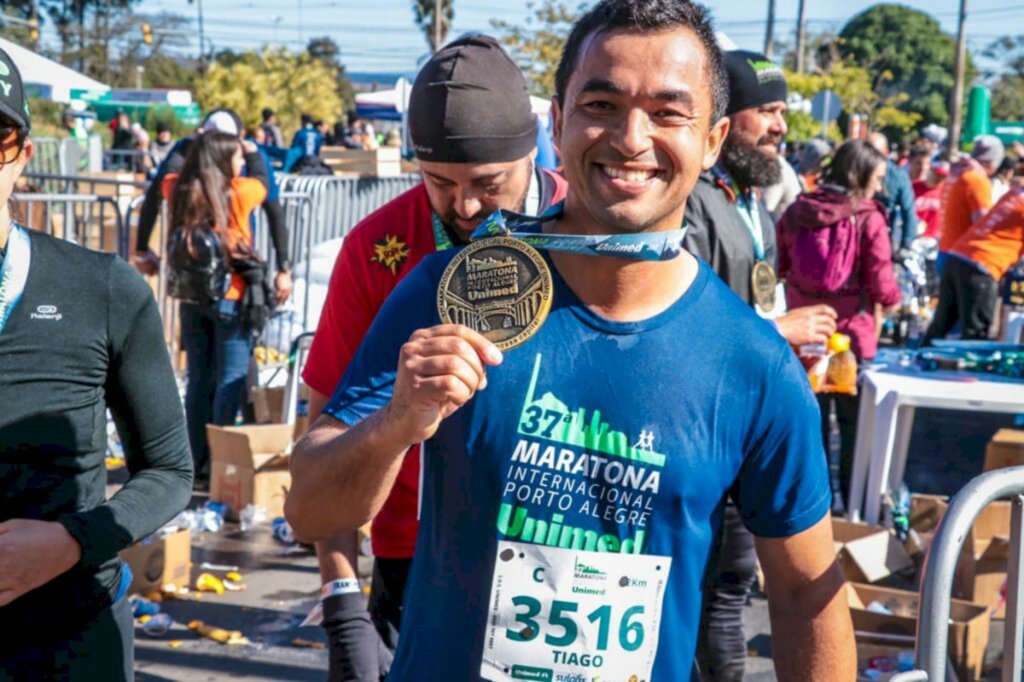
point(282, 530)
point(158, 625)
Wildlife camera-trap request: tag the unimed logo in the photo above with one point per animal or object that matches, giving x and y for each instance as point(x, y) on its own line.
point(47, 312)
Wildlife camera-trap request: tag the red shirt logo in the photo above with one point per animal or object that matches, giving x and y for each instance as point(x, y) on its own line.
point(390, 252)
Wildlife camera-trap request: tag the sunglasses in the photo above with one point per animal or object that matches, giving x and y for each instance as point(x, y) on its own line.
point(12, 140)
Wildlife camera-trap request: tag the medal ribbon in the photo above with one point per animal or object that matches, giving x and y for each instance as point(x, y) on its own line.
point(14, 272)
point(748, 211)
point(442, 242)
point(646, 246)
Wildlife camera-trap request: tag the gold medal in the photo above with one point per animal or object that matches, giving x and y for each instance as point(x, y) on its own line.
point(499, 287)
point(763, 282)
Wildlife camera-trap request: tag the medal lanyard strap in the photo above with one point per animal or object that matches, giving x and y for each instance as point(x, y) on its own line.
point(14, 272)
point(747, 208)
point(646, 246)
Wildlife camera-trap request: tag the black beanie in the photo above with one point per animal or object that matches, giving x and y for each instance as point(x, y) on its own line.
point(469, 104)
point(753, 80)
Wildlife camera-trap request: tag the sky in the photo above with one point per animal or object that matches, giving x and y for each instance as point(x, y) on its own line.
point(379, 35)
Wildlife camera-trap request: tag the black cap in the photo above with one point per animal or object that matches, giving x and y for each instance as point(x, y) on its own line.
point(470, 104)
point(13, 104)
point(753, 80)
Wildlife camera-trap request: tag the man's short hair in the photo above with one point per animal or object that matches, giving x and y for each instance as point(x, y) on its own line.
point(648, 16)
point(918, 151)
point(268, 114)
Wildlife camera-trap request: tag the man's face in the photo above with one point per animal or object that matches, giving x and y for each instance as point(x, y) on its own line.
point(163, 137)
point(635, 128)
point(760, 128)
point(919, 166)
point(464, 194)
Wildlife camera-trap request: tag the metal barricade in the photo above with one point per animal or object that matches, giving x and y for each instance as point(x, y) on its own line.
point(58, 183)
point(940, 565)
point(298, 213)
point(86, 219)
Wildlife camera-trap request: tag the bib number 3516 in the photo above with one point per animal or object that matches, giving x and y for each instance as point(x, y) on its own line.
point(560, 614)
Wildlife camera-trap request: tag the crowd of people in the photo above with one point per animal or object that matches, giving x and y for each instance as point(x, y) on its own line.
point(607, 489)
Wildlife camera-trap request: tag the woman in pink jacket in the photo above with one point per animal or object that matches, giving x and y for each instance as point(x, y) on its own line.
point(834, 248)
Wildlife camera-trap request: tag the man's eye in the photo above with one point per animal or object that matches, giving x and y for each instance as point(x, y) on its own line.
point(598, 105)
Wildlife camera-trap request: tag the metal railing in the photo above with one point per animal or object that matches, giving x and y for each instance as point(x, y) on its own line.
point(91, 221)
point(58, 183)
point(940, 566)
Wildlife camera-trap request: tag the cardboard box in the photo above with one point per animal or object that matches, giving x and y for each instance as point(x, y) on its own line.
point(156, 562)
point(925, 513)
point(249, 464)
point(1006, 449)
point(268, 404)
point(868, 554)
point(968, 631)
point(381, 162)
point(982, 567)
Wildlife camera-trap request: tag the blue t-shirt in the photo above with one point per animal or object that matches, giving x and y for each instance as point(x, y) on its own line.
point(606, 440)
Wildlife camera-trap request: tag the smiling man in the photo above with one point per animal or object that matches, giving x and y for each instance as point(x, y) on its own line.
point(573, 484)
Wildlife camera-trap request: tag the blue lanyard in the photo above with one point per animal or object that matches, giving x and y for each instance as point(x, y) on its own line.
point(748, 210)
point(648, 246)
point(14, 272)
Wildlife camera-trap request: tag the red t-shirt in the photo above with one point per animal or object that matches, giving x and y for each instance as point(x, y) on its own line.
point(375, 256)
point(928, 206)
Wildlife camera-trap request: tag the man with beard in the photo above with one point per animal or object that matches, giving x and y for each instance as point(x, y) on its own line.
point(730, 228)
point(475, 138)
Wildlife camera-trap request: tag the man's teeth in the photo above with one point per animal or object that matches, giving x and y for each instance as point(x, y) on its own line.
point(628, 175)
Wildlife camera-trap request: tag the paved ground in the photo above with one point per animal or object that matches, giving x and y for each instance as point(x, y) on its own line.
point(282, 583)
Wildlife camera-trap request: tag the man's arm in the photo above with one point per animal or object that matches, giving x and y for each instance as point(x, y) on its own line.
point(808, 607)
point(342, 476)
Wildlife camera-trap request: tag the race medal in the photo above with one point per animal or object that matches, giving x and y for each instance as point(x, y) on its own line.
point(763, 282)
point(499, 287)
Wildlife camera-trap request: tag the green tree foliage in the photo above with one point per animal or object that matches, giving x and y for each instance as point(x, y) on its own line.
point(855, 87)
point(537, 45)
point(288, 83)
point(86, 29)
point(329, 54)
point(906, 52)
point(424, 11)
point(1008, 84)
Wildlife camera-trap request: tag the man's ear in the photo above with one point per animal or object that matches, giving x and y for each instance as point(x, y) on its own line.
point(556, 123)
point(716, 137)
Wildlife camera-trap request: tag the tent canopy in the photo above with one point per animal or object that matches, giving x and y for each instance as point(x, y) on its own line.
point(46, 78)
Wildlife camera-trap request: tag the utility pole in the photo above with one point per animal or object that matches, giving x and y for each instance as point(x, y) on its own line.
point(35, 25)
point(958, 82)
point(437, 25)
point(769, 30)
point(801, 35)
point(202, 55)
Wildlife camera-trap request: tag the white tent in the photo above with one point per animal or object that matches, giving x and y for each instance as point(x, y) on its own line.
point(50, 79)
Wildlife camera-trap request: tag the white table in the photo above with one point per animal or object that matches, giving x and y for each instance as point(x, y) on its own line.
point(888, 402)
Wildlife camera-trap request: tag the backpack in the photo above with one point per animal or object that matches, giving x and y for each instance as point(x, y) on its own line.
point(197, 271)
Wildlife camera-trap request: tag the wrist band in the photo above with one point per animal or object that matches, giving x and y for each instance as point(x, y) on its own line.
point(336, 587)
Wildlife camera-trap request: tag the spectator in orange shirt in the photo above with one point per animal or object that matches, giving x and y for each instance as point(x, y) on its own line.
point(967, 194)
point(977, 261)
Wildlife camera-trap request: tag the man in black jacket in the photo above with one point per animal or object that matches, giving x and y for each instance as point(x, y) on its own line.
point(79, 334)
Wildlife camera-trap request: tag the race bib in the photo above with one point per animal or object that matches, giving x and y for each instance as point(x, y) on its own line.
point(561, 615)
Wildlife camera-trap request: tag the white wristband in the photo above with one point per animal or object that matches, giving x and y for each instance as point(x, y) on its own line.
point(336, 587)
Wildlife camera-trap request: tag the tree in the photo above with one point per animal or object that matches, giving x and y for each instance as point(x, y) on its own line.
point(1008, 84)
point(327, 52)
point(425, 19)
point(288, 83)
point(854, 85)
point(85, 31)
point(905, 51)
point(537, 45)
point(159, 68)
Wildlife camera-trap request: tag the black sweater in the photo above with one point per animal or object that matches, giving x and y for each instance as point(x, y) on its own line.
point(86, 336)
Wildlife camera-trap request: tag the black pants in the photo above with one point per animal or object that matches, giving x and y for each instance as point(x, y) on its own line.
point(103, 650)
point(847, 407)
point(966, 295)
point(732, 569)
point(386, 595)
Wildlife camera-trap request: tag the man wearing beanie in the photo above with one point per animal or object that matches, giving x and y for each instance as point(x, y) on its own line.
point(474, 136)
point(967, 192)
point(572, 484)
point(80, 334)
point(733, 231)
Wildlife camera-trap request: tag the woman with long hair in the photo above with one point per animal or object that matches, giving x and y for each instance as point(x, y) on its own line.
point(211, 204)
point(834, 248)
